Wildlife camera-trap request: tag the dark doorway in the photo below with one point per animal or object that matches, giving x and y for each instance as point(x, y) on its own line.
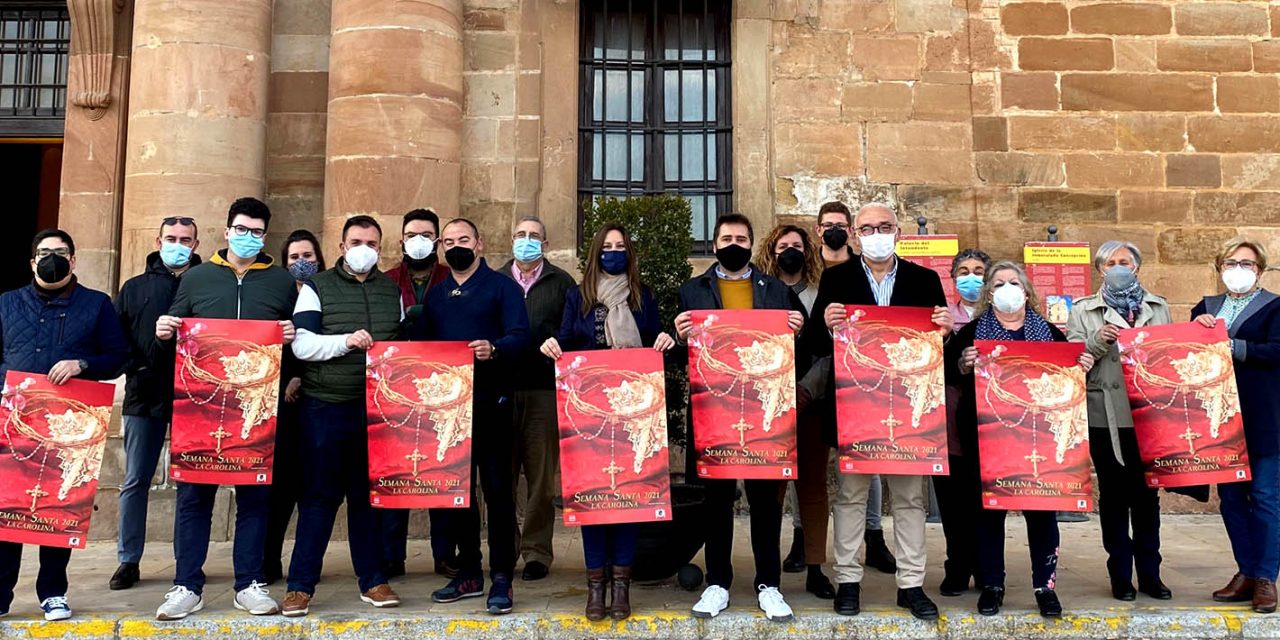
point(30, 176)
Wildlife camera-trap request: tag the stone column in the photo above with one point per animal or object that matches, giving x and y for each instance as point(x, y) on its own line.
point(197, 117)
point(93, 145)
point(395, 112)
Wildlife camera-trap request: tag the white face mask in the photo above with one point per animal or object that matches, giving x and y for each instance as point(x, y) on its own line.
point(1009, 298)
point(879, 246)
point(419, 247)
point(360, 259)
point(1239, 279)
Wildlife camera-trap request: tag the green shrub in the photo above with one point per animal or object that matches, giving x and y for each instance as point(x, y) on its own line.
point(661, 229)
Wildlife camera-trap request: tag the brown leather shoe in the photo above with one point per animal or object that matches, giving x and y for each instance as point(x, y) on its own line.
point(296, 604)
point(1240, 589)
point(620, 607)
point(1264, 596)
point(381, 596)
point(595, 594)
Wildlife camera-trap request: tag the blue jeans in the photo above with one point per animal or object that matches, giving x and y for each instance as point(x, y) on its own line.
point(335, 458)
point(143, 443)
point(191, 525)
point(1251, 513)
point(610, 544)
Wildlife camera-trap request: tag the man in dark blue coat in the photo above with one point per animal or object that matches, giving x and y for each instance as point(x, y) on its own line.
point(57, 327)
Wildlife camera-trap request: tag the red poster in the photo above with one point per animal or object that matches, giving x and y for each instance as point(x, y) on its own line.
point(53, 442)
point(933, 252)
point(1186, 410)
point(1033, 426)
point(1060, 272)
point(418, 397)
point(742, 379)
point(890, 393)
point(612, 412)
point(226, 389)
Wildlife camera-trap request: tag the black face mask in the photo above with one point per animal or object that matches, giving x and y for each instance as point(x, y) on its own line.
point(791, 261)
point(460, 258)
point(733, 257)
point(420, 264)
point(53, 268)
point(835, 238)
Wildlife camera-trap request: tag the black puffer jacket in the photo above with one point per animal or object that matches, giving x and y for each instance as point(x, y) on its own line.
point(148, 389)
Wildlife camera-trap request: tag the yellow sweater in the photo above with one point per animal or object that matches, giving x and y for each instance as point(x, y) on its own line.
point(736, 294)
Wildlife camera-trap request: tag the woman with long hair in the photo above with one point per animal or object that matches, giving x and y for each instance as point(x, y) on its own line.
point(611, 309)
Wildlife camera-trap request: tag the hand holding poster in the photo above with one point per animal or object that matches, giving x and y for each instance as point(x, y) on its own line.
point(1033, 426)
point(612, 413)
point(418, 398)
point(742, 381)
point(890, 394)
point(226, 390)
point(1186, 410)
point(53, 438)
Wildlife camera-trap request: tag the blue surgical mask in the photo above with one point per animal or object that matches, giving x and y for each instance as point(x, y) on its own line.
point(969, 287)
point(246, 246)
point(175, 255)
point(526, 249)
point(613, 262)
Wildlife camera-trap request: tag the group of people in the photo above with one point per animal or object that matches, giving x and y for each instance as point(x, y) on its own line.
point(521, 317)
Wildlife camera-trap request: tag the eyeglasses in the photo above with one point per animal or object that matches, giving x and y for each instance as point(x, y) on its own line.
point(243, 230)
point(833, 225)
point(182, 220)
point(887, 227)
point(60, 251)
point(428, 235)
point(1243, 264)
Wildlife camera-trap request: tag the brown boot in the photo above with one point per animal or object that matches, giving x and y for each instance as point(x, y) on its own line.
point(595, 594)
point(1264, 596)
point(1240, 589)
point(620, 609)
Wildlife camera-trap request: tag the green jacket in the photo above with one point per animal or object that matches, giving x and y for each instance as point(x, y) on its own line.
point(333, 305)
point(214, 290)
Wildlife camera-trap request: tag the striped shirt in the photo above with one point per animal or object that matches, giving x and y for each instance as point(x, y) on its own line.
point(883, 290)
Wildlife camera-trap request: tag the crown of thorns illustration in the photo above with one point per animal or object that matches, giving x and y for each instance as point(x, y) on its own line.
point(76, 435)
point(252, 374)
point(443, 397)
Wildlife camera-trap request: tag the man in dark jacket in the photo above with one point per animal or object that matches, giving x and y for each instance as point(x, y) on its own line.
point(878, 278)
point(733, 283)
point(477, 305)
point(240, 282)
point(148, 390)
point(340, 314)
point(58, 327)
point(537, 441)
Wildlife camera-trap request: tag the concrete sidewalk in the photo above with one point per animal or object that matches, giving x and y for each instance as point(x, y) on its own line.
point(1197, 561)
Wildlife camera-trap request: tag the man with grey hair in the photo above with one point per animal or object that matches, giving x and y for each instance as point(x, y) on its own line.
point(537, 444)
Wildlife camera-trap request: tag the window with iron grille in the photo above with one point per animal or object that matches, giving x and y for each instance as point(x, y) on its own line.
point(655, 110)
point(35, 38)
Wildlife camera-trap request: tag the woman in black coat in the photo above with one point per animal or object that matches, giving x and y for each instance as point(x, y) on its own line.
point(1006, 311)
point(1251, 510)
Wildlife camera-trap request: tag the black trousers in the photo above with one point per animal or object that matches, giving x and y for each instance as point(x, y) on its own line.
point(765, 499)
point(50, 582)
point(960, 504)
point(286, 483)
point(1042, 540)
point(1124, 499)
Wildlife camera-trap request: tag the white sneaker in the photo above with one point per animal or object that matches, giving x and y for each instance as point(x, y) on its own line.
point(773, 605)
point(256, 600)
point(714, 600)
point(56, 608)
point(179, 603)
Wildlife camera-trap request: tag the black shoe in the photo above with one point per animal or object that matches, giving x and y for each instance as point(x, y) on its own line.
point(1155, 588)
point(794, 562)
point(848, 600)
point(1048, 602)
point(878, 555)
point(990, 601)
point(919, 603)
point(447, 567)
point(393, 570)
point(954, 584)
point(534, 570)
point(818, 584)
point(125, 576)
point(1123, 590)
